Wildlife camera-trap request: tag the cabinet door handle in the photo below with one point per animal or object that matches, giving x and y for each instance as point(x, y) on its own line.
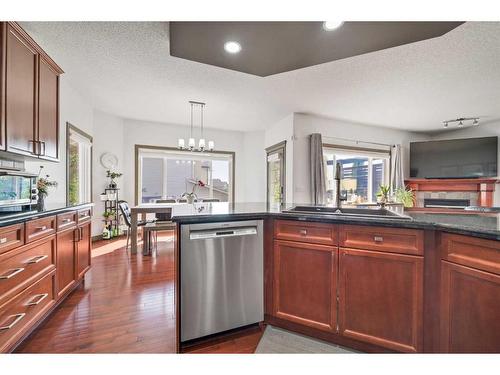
point(42, 228)
point(303, 232)
point(42, 144)
point(67, 220)
point(3, 240)
point(77, 235)
point(11, 273)
point(34, 152)
point(36, 300)
point(17, 319)
point(378, 239)
point(37, 259)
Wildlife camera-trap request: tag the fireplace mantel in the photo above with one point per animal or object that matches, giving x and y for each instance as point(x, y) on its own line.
point(485, 187)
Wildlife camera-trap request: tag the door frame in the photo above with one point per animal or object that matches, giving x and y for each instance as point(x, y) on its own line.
point(69, 128)
point(281, 146)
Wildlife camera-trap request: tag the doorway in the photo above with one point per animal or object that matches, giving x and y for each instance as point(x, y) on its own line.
point(276, 166)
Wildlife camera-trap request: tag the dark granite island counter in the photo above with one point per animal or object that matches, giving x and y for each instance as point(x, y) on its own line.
point(483, 225)
point(376, 285)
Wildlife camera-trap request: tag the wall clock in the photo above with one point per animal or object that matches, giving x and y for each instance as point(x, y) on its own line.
point(109, 160)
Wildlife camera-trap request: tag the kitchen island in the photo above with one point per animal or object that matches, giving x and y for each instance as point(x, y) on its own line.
point(426, 283)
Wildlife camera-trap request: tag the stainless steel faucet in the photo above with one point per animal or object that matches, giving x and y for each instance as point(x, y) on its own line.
point(338, 178)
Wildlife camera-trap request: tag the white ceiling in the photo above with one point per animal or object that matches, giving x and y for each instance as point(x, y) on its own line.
point(125, 69)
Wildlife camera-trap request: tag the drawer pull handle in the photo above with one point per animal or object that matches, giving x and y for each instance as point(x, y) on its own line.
point(378, 239)
point(11, 273)
point(36, 300)
point(43, 227)
point(303, 232)
point(37, 259)
point(3, 240)
point(67, 220)
point(18, 318)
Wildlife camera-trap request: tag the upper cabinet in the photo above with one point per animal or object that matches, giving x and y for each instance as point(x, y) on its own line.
point(30, 96)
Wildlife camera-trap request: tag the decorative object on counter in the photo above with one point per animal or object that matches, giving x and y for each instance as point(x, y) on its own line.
point(191, 141)
point(383, 195)
point(112, 176)
point(111, 213)
point(404, 196)
point(43, 185)
point(190, 197)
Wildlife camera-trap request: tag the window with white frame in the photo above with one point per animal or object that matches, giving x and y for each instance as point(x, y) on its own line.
point(363, 171)
point(79, 166)
point(166, 174)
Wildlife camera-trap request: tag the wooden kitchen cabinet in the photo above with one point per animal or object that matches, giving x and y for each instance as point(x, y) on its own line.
point(83, 249)
point(305, 284)
point(381, 298)
point(29, 104)
point(21, 92)
point(66, 260)
point(470, 310)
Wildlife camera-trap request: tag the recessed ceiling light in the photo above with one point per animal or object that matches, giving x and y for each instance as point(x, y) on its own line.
point(332, 25)
point(232, 47)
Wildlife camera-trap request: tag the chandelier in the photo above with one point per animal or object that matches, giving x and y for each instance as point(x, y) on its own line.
point(191, 146)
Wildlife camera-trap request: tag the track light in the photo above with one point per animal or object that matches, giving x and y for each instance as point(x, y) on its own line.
point(475, 122)
point(460, 124)
point(445, 124)
point(462, 121)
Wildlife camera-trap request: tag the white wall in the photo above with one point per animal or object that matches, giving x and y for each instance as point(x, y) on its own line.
point(108, 137)
point(255, 166)
point(304, 125)
point(158, 134)
point(77, 111)
point(483, 130)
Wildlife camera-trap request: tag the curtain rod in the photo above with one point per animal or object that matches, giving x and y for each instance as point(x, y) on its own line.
point(357, 142)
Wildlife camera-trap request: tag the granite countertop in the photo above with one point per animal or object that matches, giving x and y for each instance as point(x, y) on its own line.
point(10, 217)
point(484, 225)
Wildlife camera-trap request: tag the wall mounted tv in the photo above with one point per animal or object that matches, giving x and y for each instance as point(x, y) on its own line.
point(454, 158)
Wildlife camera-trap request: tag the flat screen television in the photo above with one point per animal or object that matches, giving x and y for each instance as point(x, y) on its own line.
point(454, 158)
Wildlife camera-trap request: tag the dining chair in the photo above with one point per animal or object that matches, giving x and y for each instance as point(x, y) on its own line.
point(125, 210)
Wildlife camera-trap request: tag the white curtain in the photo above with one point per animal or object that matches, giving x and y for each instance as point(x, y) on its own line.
point(317, 166)
point(397, 176)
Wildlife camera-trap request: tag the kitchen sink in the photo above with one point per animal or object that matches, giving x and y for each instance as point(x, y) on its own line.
point(381, 213)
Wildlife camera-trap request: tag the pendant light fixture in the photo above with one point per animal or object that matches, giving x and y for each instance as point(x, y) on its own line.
point(191, 141)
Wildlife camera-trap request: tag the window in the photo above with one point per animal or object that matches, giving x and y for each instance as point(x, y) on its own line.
point(363, 171)
point(79, 165)
point(165, 173)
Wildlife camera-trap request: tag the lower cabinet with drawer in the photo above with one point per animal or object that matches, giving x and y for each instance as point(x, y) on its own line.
point(470, 295)
point(41, 261)
point(22, 311)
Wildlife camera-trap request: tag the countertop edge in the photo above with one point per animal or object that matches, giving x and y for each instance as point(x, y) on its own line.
point(20, 218)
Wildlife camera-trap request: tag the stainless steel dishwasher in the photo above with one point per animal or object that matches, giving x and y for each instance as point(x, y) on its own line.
point(222, 277)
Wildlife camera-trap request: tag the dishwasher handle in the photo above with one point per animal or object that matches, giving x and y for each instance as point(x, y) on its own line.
point(222, 233)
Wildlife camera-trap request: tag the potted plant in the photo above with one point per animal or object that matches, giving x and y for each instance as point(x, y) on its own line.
point(190, 197)
point(383, 195)
point(404, 196)
point(43, 185)
point(112, 176)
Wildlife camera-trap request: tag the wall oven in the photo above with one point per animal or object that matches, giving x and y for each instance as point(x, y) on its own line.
point(17, 188)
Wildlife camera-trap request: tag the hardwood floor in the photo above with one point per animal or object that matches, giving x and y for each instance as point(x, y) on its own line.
point(125, 306)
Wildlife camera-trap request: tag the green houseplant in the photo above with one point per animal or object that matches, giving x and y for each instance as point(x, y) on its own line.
point(383, 194)
point(404, 196)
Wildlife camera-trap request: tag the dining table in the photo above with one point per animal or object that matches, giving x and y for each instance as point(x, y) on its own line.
point(142, 210)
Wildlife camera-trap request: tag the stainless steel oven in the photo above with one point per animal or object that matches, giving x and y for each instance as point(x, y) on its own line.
point(17, 188)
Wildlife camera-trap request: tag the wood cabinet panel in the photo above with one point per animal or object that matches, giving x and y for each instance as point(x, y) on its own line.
point(11, 237)
point(393, 240)
point(381, 298)
point(21, 312)
point(66, 262)
point(84, 246)
point(66, 220)
point(84, 215)
point(473, 252)
point(48, 111)
point(21, 92)
point(39, 228)
point(319, 233)
point(22, 266)
point(305, 284)
point(470, 310)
